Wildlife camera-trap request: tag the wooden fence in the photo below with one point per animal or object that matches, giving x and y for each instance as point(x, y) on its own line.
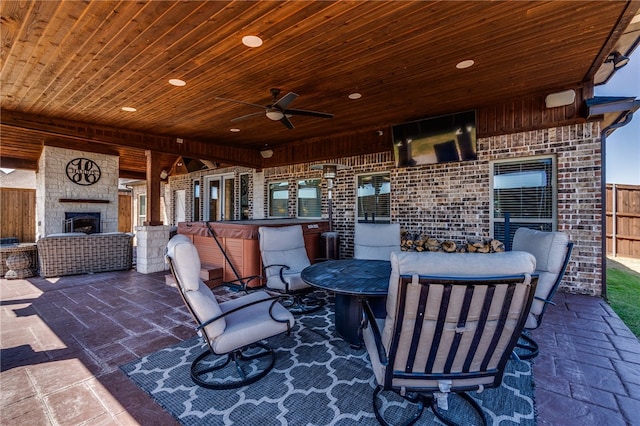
point(18, 214)
point(623, 220)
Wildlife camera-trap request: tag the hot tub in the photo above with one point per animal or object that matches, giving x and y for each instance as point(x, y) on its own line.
point(239, 240)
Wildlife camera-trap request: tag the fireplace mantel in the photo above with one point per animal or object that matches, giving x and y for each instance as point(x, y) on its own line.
point(83, 200)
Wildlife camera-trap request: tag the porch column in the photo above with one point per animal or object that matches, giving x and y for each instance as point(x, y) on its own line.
point(153, 236)
point(153, 189)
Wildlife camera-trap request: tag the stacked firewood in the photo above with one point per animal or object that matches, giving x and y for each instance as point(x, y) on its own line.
point(410, 242)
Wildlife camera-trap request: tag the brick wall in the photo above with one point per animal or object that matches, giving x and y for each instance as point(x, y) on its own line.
point(451, 201)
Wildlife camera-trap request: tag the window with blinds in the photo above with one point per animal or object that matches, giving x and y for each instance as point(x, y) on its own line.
point(374, 197)
point(523, 194)
point(309, 198)
point(278, 199)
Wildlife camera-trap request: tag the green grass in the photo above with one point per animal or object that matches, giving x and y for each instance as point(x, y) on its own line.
point(623, 294)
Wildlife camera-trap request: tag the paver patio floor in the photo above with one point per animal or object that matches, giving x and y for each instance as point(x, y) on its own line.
point(63, 340)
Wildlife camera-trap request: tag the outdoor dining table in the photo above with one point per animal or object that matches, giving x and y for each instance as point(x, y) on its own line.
point(351, 280)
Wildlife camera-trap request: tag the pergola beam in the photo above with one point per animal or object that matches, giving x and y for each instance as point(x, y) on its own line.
point(93, 133)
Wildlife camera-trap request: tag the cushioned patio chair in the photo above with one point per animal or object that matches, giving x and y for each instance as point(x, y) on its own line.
point(552, 251)
point(447, 335)
point(232, 330)
point(375, 241)
point(284, 256)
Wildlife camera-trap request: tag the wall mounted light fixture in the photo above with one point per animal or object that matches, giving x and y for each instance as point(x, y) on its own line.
point(558, 99)
point(618, 59)
point(266, 153)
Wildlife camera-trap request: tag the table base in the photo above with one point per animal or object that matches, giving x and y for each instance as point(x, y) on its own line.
point(348, 315)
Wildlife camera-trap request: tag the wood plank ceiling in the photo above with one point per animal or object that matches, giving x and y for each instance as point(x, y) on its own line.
point(68, 67)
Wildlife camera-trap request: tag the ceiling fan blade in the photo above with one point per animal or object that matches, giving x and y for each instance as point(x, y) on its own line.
point(244, 117)
point(285, 120)
point(284, 101)
point(240, 102)
point(308, 113)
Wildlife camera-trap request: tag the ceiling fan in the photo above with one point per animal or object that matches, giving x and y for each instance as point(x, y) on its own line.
point(277, 110)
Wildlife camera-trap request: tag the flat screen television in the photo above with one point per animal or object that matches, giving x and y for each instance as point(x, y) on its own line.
point(433, 140)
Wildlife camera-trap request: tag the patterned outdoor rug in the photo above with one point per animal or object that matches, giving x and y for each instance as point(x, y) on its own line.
point(318, 379)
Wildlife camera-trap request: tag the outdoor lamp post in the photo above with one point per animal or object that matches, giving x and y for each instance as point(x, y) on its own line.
point(329, 173)
point(329, 240)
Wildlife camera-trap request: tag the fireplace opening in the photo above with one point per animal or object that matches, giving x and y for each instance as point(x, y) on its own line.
point(89, 223)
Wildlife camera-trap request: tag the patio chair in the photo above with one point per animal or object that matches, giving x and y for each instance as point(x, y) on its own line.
point(284, 256)
point(375, 241)
point(552, 251)
point(232, 330)
point(446, 335)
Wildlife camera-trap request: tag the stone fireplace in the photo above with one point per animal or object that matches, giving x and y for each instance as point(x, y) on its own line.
point(76, 191)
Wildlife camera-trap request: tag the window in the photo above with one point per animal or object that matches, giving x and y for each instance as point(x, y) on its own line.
point(219, 197)
point(309, 198)
point(244, 196)
point(374, 197)
point(142, 209)
point(196, 201)
point(525, 191)
point(278, 199)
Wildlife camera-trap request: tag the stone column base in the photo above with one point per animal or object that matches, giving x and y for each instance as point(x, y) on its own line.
point(151, 243)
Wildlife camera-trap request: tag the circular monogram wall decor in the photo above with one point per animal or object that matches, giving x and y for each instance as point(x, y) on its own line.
point(83, 171)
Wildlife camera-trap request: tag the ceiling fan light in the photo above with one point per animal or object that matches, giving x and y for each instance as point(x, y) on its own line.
point(275, 115)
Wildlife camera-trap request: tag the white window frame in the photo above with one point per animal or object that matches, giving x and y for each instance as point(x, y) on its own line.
point(553, 220)
point(381, 219)
point(142, 213)
point(205, 195)
point(319, 186)
point(286, 213)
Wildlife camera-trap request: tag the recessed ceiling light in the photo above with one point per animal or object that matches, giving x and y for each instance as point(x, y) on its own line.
point(465, 64)
point(252, 41)
point(177, 82)
point(129, 109)
point(234, 130)
point(355, 95)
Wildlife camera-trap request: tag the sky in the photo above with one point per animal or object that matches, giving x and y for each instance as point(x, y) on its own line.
point(623, 145)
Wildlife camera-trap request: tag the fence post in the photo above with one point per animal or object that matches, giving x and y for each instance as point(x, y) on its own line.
point(614, 220)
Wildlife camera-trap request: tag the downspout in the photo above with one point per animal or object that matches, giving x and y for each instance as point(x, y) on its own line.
point(603, 194)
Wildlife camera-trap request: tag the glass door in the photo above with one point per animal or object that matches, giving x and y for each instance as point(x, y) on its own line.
point(220, 200)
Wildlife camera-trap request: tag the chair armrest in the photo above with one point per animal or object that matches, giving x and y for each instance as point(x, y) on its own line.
point(282, 269)
point(370, 318)
point(273, 300)
point(544, 300)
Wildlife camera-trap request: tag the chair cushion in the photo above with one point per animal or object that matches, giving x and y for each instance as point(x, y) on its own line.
point(451, 265)
point(252, 323)
point(186, 266)
point(376, 241)
point(283, 246)
point(460, 328)
point(549, 249)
